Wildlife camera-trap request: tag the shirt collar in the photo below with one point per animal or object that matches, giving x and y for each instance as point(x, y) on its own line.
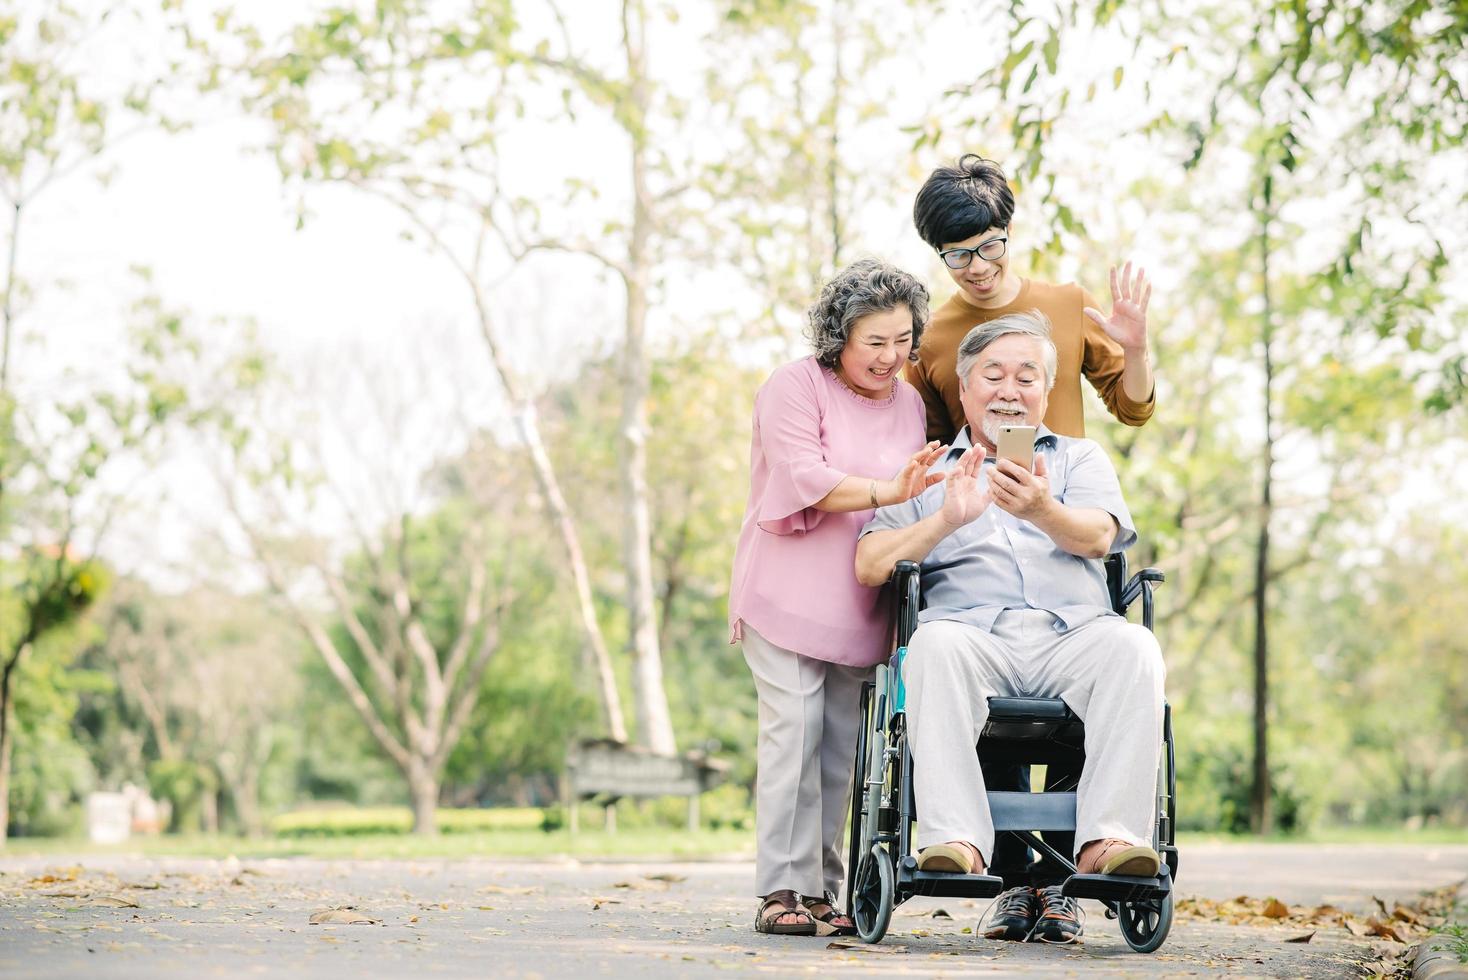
point(963, 441)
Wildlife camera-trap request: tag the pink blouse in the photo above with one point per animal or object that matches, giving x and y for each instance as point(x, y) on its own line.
point(795, 566)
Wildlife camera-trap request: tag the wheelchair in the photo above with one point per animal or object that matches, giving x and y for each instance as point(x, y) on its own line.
point(881, 871)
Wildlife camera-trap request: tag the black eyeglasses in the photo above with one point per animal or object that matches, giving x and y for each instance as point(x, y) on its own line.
point(959, 258)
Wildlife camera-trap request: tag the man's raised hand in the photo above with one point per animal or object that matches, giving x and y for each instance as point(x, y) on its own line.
point(963, 498)
point(1127, 322)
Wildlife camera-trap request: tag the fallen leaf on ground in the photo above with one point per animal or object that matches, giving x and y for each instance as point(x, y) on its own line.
point(1302, 939)
point(1355, 928)
point(146, 885)
point(941, 914)
point(345, 917)
point(110, 902)
point(866, 947)
point(503, 890)
point(1378, 928)
point(1275, 909)
point(666, 876)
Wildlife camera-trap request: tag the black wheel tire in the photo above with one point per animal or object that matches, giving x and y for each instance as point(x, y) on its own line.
point(1144, 925)
point(871, 901)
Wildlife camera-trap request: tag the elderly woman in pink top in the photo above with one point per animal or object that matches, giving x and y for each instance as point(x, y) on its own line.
point(830, 430)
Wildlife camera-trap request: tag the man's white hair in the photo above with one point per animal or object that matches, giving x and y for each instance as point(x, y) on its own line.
point(1031, 323)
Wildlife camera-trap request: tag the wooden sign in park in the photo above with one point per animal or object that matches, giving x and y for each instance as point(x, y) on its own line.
point(605, 771)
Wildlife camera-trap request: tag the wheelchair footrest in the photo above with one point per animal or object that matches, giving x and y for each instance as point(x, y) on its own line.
point(945, 884)
point(1117, 888)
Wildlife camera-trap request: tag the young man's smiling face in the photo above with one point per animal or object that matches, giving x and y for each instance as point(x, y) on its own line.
point(986, 283)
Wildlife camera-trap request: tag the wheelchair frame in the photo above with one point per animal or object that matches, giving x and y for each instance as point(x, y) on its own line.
point(881, 871)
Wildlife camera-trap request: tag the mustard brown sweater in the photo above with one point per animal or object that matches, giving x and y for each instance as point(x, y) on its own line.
point(1083, 347)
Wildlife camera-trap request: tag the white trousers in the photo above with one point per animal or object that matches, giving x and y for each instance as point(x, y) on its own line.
point(808, 725)
point(1108, 671)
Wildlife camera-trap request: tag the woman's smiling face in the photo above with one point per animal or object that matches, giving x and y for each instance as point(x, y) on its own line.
point(875, 351)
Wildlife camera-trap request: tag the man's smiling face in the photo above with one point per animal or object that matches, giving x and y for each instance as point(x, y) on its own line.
point(986, 283)
point(1006, 386)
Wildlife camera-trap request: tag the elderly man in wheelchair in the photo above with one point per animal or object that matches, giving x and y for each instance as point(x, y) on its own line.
point(1017, 606)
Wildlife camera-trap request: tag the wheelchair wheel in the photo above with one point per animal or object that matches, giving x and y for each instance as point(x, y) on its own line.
point(1144, 924)
point(871, 899)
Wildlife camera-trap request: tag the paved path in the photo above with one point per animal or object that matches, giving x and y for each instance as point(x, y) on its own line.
point(481, 918)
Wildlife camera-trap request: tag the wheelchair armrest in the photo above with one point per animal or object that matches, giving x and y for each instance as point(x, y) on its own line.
point(907, 594)
point(1140, 585)
point(1133, 588)
point(903, 571)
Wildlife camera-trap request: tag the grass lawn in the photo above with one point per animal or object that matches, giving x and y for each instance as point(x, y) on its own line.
point(643, 843)
point(1339, 835)
point(367, 833)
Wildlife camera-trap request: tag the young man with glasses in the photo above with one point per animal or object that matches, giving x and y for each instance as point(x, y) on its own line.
point(964, 212)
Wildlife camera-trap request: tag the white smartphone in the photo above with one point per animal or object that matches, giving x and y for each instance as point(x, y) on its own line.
point(1017, 444)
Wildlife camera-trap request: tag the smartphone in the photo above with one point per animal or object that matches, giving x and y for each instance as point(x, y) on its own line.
point(1017, 444)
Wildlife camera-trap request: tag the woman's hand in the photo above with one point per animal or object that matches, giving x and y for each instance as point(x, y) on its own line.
point(914, 477)
point(963, 500)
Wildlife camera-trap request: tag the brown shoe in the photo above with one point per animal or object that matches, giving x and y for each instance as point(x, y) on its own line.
point(1117, 857)
point(1061, 921)
point(955, 857)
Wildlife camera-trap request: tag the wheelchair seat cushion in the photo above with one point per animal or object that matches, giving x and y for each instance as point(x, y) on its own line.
point(1029, 709)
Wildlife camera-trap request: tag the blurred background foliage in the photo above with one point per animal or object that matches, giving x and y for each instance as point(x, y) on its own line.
point(1293, 171)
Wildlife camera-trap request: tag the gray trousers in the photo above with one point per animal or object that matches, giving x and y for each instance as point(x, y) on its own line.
point(1108, 671)
point(808, 725)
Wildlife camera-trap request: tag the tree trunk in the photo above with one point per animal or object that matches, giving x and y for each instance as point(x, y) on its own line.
point(423, 789)
point(833, 161)
point(209, 810)
point(244, 793)
point(7, 737)
point(1260, 817)
point(4, 772)
point(654, 724)
point(9, 310)
point(550, 488)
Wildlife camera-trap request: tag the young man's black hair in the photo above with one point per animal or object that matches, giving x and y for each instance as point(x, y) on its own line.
point(961, 201)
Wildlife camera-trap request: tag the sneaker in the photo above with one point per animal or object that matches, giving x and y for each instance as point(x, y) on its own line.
point(1013, 916)
point(1060, 917)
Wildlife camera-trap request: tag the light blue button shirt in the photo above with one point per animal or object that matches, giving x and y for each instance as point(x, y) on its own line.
point(999, 561)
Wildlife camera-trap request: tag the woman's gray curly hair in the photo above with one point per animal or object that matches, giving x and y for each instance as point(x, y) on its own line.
point(864, 287)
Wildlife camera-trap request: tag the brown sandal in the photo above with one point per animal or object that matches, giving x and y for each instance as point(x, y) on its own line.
point(776, 907)
point(832, 921)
